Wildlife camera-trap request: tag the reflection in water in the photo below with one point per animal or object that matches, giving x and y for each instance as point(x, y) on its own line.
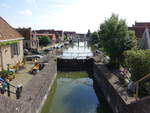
point(78, 50)
point(73, 94)
point(103, 107)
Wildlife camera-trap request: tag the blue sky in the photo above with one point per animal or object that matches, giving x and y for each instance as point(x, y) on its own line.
point(73, 15)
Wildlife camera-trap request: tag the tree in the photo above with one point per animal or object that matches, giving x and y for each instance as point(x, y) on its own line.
point(116, 38)
point(94, 39)
point(44, 41)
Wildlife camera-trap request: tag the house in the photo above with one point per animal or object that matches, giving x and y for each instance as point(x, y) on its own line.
point(49, 33)
point(139, 28)
point(70, 35)
point(30, 42)
point(59, 35)
point(11, 45)
point(142, 32)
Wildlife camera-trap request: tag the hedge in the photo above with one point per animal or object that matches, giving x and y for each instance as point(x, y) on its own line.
point(138, 63)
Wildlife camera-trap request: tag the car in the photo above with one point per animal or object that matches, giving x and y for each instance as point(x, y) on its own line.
point(48, 49)
point(31, 57)
point(26, 52)
point(66, 43)
point(38, 52)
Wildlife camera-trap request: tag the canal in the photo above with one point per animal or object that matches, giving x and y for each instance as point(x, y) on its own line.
point(75, 92)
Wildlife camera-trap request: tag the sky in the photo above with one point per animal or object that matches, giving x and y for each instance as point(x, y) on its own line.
point(71, 15)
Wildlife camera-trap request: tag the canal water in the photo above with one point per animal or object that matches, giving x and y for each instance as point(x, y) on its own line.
point(75, 92)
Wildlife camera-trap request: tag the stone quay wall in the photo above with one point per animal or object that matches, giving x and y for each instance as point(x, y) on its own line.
point(116, 95)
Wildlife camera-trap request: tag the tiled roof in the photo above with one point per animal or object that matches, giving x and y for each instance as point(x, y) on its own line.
point(7, 32)
point(69, 32)
point(45, 31)
point(142, 23)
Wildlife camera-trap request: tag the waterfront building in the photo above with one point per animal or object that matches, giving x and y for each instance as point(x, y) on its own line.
point(142, 32)
point(11, 45)
point(30, 42)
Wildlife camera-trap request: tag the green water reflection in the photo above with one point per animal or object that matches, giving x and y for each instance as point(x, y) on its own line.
point(73, 93)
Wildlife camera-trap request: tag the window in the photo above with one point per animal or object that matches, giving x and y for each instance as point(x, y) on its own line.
point(15, 49)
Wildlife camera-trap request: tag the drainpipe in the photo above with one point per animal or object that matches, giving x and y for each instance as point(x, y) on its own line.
point(1, 58)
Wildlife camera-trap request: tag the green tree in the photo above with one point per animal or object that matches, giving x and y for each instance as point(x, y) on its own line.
point(44, 41)
point(94, 39)
point(116, 38)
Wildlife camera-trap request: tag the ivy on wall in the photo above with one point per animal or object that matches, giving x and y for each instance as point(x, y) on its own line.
point(8, 42)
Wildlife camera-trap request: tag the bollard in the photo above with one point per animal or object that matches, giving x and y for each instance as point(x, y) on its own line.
point(8, 89)
point(18, 91)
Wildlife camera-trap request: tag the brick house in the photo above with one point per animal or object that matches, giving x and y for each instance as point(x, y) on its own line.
point(11, 45)
point(142, 32)
point(139, 28)
point(30, 41)
point(49, 33)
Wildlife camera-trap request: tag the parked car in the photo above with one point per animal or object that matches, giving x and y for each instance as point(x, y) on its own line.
point(31, 57)
point(66, 43)
point(49, 49)
point(38, 52)
point(26, 52)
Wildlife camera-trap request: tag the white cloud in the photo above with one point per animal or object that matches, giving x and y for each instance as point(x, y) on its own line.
point(26, 12)
point(81, 15)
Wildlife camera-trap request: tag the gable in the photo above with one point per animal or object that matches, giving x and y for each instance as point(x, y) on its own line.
point(7, 32)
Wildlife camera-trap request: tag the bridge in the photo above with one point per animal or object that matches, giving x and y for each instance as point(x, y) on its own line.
point(69, 65)
point(76, 58)
point(75, 55)
point(79, 39)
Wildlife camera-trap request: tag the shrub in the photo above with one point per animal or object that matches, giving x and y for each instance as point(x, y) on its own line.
point(138, 63)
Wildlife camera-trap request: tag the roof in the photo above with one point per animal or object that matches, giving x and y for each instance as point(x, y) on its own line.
point(142, 23)
point(43, 34)
point(139, 28)
point(45, 31)
point(69, 32)
point(7, 32)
